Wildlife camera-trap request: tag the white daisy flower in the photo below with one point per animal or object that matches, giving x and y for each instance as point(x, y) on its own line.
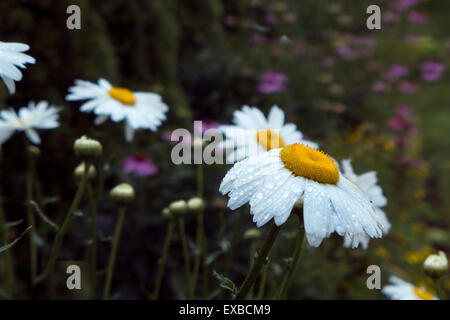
point(11, 57)
point(273, 181)
point(140, 110)
point(367, 182)
point(402, 290)
point(28, 119)
point(253, 133)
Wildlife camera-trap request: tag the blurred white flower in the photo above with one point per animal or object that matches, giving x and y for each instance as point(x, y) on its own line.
point(28, 119)
point(273, 181)
point(11, 57)
point(402, 290)
point(253, 133)
point(140, 110)
point(367, 182)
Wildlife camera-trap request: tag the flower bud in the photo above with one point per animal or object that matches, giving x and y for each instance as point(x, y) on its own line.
point(166, 213)
point(86, 147)
point(436, 265)
point(195, 204)
point(122, 193)
point(252, 234)
point(178, 207)
point(79, 171)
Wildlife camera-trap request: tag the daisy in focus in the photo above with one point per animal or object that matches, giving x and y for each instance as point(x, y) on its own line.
point(253, 133)
point(272, 182)
point(40, 116)
point(12, 57)
point(139, 165)
point(402, 290)
point(367, 182)
point(140, 110)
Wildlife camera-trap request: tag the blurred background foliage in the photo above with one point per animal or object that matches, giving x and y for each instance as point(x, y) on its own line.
point(207, 58)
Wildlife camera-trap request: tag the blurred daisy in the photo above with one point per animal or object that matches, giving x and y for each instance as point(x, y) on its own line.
point(272, 182)
point(140, 110)
point(139, 165)
point(11, 57)
point(32, 117)
point(253, 133)
point(367, 182)
point(402, 290)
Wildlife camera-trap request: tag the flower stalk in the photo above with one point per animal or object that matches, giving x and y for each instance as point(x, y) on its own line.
point(112, 256)
point(258, 264)
point(64, 227)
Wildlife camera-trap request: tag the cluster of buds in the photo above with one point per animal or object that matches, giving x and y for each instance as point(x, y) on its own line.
point(181, 207)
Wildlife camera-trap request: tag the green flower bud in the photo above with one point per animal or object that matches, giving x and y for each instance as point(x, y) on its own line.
point(252, 234)
point(122, 193)
point(178, 207)
point(166, 213)
point(88, 148)
point(195, 204)
point(79, 171)
point(436, 265)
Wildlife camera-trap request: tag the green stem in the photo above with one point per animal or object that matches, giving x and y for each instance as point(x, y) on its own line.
point(440, 293)
point(31, 220)
point(256, 268)
point(92, 249)
point(296, 255)
point(63, 229)
point(186, 257)
point(6, 264)
point(262, 284)
point(199, 258)
point(112, 256)
point(162, 261)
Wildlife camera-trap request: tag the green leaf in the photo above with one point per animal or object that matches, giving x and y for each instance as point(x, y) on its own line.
point(9, 245)
point(225, 282)
point(43, 216)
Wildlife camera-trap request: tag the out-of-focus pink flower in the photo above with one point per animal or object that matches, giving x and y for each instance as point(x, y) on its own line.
point(390, 17)
point(395, 72)
point(403, 5)
point(380, 86)
point(345, 51)
point(272, 82)
point(408, 87)
point(403, 123)
point(431, 71)
point(417, 17)
point(139, 165)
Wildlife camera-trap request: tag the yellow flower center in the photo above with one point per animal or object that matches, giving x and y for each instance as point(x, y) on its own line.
point(423, 294)
point(269, 139)
point(21, 123)
point(122, 95)
point(309, 163)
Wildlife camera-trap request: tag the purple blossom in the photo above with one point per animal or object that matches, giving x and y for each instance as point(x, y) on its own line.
point(272, 82)
point(395, 72)
point(408, 87)
point(139, 165)
point(380, 86)
point(390, 17)
point(417, 17)
point(403, 5)
point(431, 71)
